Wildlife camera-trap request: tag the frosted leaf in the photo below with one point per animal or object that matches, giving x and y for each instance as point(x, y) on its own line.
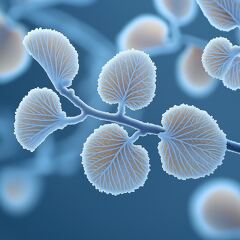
point(112, 163)
point(222, 14)
point(232, 77)
point(38, 115)
point(129, 78)
point(143, 33)
point(217, 57)
point(192, 145)
point(181, 12)
point(53, 51)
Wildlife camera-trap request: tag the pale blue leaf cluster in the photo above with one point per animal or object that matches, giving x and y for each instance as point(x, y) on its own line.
point(55, 54)
point(112, 163)
point(128, 79)
point(192, 145)
point(38, 115)
point(220, 60)
point(222, 14)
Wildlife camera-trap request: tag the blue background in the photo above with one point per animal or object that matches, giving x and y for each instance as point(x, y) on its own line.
point(70, 208)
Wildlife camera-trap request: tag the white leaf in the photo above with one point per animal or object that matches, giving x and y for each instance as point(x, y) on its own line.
point(112, 163)
point(38, 115)
point(192, 145)
point(232, 76)
point(222, 14)
point(129, 78)
point(55, 54)
point(217, 57)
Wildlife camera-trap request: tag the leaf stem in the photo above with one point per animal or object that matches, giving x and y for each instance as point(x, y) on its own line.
point(142, 128)
point(145, 128)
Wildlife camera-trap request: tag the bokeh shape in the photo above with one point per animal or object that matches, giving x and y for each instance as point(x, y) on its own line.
point(180, 12)
point(14, 60)
point(191, 74)
point(20, 190)
point(215, 209)
point(143, 32)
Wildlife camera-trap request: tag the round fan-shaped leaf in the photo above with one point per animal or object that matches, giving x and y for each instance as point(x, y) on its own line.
point(222, 14)
point(217, 57)
point(232, 77)
point(112, 163)
point(192, 145)
point(129, 78)
point(38, 115)
point(53, 51)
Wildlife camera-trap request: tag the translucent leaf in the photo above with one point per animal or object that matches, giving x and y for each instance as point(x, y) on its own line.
point(112, 163)
point(55, 54)
point(38, 115)
point(129, 78)
point(217, 57)
point(232, 77)
point(222, 14)
point(180, 12)
point(192, 145)
point(143, 32)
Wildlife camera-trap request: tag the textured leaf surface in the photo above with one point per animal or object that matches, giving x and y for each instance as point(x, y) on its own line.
point(192, 145)
point(112, 163)
point(38, 115)
point(217, 57)
point(53, 51)
point(232, 77)
point(129, 78)
point(222, 14)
